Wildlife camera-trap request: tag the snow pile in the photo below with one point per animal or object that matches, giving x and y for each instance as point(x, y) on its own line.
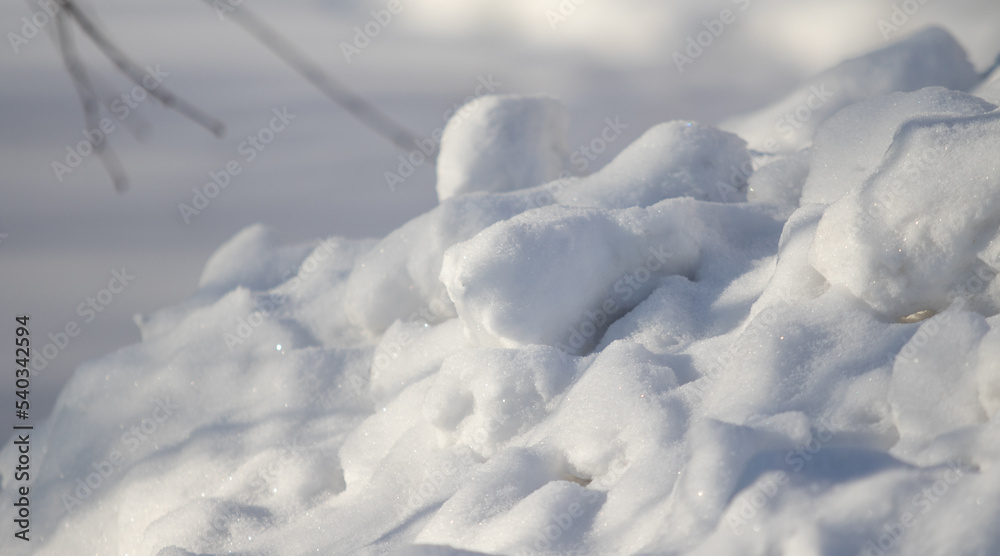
point(698, 349)
point(922, 224)
point(927, 58)
point(852, 143)
point(399, 279)
point(558, 276)
point(487, 134)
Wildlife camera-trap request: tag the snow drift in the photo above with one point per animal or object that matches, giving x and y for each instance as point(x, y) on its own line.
point(698, 349)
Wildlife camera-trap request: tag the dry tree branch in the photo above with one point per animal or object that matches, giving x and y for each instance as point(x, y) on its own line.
point(136, 73)
point(357, 106)
point(89, 100)
point(369, 115)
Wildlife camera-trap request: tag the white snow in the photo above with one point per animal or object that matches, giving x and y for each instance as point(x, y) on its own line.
point(672, 159)
point(852, 143)
point(486, 135)
point(927, 58)
point(923, 224)
point(697, 349)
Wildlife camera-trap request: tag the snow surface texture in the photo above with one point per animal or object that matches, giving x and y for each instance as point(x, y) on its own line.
point(673, 355)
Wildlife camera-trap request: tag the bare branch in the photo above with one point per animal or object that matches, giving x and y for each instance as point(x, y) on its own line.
point(365, 112)
point(89, 100)
point(134, 72)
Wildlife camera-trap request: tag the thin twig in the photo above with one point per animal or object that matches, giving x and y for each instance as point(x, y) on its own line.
point(356, 105)
point(134, 72)
point(89, 100)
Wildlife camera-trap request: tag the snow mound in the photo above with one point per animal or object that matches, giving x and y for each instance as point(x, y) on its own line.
point(923, 228)
point(502, 143)
point(672, 159)
point(780, 181)
point(851, 144)
point(558, 275)
point(637, 361)
point(927, 58)
point(399, 279)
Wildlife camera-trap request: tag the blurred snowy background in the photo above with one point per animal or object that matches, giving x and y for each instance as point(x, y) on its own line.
point(60, 241)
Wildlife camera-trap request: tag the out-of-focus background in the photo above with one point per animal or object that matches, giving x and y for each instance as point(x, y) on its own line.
point(324, 175)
